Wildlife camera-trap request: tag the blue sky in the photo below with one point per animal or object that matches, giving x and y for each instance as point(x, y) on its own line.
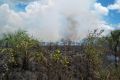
point(106, 2)
point(20, 6)
point(113, 17)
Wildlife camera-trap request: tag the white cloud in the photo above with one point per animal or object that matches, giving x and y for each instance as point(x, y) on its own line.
point(53, 20)
point(16, 1)
point(101, 9)
point(115, 6)
point(9, 20)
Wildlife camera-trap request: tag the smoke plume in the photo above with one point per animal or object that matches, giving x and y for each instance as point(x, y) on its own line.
point(52, 20)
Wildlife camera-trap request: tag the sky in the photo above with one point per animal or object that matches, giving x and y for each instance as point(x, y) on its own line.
point(114, 14)
point(52, 20)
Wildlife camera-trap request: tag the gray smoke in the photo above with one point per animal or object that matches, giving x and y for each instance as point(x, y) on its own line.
point(70, 32)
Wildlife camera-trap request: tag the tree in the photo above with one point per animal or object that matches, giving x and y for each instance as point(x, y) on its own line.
point(93, 52)
point(20, 43)
point(114, 41)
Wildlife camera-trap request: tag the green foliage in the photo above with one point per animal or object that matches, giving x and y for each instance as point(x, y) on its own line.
point(9, 52)
point(93, 49)
point(18, 39)
point(93, 52)
point(22, 53)
point(17, 45)
point(114, 39)
point(58, 57)
point(65, 61)
point(114, 42)
point(38, 57)
point(115, 35)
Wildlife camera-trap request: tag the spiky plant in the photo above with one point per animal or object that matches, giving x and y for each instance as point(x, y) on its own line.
point(21, 44)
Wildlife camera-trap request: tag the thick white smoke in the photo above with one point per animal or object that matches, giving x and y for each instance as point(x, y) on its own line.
point(53, 19)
